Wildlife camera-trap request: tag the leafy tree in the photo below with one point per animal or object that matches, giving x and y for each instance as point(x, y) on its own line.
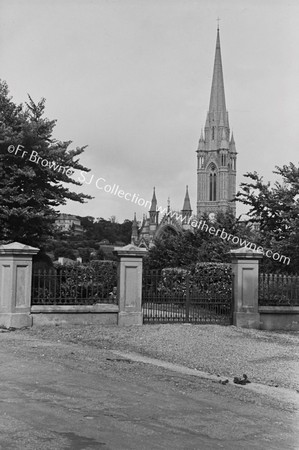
point(84, 253)
point(87, 245)
point(276, 210)
point(191, 247)
point(167, 252)
point(64, 252)
point(88, 225)
point(112, 230)
point(34, 171)
point(42, 261)
point(98, 255)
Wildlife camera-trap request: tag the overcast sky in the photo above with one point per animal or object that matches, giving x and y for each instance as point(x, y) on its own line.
point(131, 79)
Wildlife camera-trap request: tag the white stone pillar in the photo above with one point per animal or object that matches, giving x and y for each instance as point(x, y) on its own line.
point(129, 284)
point(245, 267)
point(15, 284)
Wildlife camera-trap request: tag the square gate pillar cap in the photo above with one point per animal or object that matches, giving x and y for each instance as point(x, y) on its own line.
point(130, 250)
point(245, 253)
point(16, 248)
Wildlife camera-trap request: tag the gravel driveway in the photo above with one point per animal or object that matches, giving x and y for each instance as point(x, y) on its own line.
point(266, 357)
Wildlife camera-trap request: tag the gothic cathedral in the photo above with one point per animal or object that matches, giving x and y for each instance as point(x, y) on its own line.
point(216, 153)
point(216, 171)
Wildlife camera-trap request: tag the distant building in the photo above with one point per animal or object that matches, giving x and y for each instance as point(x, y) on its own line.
point(171, 221)
point(65, 261)
point(70, 223)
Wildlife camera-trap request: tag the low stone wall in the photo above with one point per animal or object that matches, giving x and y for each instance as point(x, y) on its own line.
point(127, 312)
point(279, 318)
point(103, 314)
point(16, 310)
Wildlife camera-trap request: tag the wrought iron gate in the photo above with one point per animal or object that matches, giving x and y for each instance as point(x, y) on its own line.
point(166, 302)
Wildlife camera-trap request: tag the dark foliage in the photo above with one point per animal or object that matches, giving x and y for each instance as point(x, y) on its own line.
point(276, 210)
point(30, 191)
point(191, 247)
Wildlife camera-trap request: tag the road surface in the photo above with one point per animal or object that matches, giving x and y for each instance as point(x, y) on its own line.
point(58, 395)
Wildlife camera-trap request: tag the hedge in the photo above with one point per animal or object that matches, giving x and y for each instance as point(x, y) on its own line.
point(207, 280)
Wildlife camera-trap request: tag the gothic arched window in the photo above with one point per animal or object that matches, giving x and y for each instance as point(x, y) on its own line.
point(213, 184)
point(201, 162)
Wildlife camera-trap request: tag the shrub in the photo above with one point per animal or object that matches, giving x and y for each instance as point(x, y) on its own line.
point(42, 261)
point(213, 277)
point(173, 281)
point(208, 281)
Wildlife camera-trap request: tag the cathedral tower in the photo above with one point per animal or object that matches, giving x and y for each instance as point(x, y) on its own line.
point(216, 152)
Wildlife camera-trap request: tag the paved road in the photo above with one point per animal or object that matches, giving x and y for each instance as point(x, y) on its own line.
point(68, 396)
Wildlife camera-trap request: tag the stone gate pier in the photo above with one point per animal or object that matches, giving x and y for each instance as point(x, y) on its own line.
point(245, 267)
point(15, 284)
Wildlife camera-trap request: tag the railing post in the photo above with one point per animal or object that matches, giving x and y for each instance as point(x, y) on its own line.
point(187, 298)
point(245, 267)
point(129, 284)
point(15, 284)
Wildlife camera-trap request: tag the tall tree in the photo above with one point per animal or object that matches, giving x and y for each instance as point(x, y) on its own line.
point(276, 210)
point(35, 170)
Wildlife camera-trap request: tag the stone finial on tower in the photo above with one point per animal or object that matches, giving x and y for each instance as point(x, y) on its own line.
point(232, 145)
point(168, 204)
point(201, 142)
point(153, 213)
point(134, 235)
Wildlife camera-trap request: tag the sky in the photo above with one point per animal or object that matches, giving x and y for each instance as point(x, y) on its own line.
point(131, 79)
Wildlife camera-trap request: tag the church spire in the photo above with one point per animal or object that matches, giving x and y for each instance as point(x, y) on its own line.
point(187, 210)
point(216, 153)
point(154, 202)
point(187, 204)
point(217, 117)
point(153, 210)
point(217, 98)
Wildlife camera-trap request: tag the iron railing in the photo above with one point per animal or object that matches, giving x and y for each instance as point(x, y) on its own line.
point(278, 290)
point(79, 285)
